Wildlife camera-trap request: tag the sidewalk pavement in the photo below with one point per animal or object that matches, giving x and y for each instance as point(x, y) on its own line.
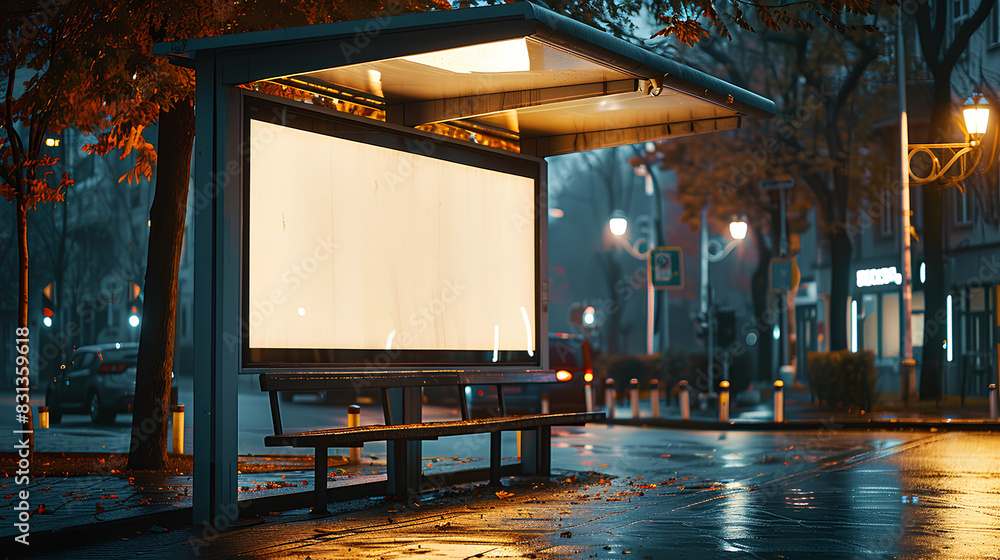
point(110, 503)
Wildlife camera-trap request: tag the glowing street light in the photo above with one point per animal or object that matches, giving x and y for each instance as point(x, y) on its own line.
point(738, 229)
point(977, 116)
point(618, 223)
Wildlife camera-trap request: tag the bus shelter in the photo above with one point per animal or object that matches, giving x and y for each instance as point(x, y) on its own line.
point(476, 82)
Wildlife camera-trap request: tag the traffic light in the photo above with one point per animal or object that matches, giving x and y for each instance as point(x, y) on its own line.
point(701, 326)
point(48, 305)
point(726, 326)
point(135, 304)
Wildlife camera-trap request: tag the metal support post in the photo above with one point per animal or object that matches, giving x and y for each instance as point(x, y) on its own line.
point(178, 427)
point(654, 397)
point(634, 396)
point(609, 397)
point(779, 401)
point(994, 415)
point(354, 421)
point(684, 399)
point(724, 401)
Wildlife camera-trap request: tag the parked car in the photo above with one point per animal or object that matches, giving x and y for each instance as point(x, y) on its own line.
point(99, 381)
point(570, 357)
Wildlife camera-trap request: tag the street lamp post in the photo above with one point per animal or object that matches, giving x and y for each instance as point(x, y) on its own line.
point(977, 116)
point(738, 230)
point(618, 225)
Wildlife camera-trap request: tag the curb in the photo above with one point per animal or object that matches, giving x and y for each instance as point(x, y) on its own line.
point(828, 424)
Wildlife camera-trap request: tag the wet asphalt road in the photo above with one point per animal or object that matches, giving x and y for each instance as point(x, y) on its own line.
point(652, 493)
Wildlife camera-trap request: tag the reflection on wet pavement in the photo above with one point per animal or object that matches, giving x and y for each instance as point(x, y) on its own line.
point(648, 493)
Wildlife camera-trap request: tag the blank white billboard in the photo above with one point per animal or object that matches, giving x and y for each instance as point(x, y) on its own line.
point(357, 246)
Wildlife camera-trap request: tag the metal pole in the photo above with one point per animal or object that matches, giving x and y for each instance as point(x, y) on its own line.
point(353, 421)
point(724, 401)
point(684, 398)
point(783, 250)
point(634, 396)
point(650, 292)
point(779, 401)
point(993, 402)
point(609, 397)
point(178, 433)
point(907, 365)
point(705, 291)
point(654, 397)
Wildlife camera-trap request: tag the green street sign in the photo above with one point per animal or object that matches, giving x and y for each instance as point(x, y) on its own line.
point(666, 268)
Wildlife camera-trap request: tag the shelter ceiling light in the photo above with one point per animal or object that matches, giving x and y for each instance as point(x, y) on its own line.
point(501, 56)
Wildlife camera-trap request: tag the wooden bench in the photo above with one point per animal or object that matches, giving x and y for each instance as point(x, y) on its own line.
point(401, 400)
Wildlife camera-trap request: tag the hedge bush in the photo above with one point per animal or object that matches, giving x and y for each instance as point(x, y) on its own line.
point(844, 378)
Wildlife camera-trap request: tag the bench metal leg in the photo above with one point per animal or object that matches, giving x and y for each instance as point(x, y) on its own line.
point(529, 451)
point(544, 450)
point(319, 479)
point(403, 457)
point(495, 458)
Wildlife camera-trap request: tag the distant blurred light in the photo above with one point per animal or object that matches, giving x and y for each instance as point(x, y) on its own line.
point(588, 315)
point(777, 332)
point(948, 344)
point(556, 213)
point(563, 376)
point(133, 320)
point(302, 312)
point(47, 321)
point(618, 223)
point(51, 142)
point(854, 325)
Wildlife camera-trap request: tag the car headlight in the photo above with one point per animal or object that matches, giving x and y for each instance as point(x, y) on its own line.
point(563, 376)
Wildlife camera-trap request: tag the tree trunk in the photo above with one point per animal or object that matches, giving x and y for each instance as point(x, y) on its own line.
point(840, 267)
point(151, 413)
point(27, 422)
point(933, 237)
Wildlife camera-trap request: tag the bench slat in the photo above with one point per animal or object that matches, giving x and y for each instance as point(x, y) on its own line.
point(429, 430)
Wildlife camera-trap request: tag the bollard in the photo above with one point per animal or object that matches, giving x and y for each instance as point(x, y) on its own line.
point(654, 397)
point(609, 397)
point(43, 417)
point(588, 397)
point(634, 396)
point(724, 401)
point(684, 398)
point(779, 401)
point(353, 421)
point(994, 416)
point(178, 411)
point(545, 403)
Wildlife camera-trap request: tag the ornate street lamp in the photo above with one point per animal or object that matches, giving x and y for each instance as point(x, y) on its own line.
point(977, 118)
